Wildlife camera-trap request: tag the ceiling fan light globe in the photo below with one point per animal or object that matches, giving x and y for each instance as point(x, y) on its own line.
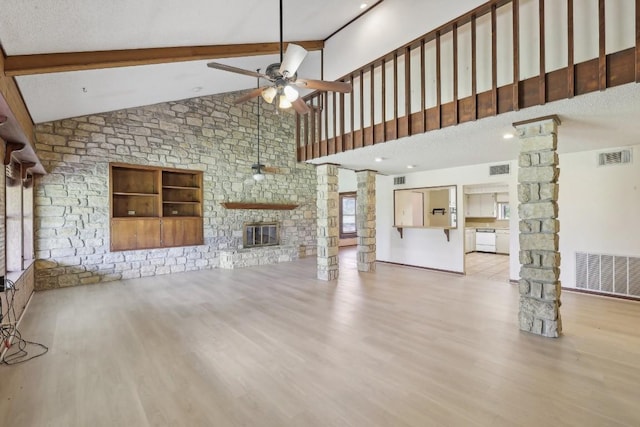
point(269, 94)
point(291, 93)
point(259, 176)
point(284, 103)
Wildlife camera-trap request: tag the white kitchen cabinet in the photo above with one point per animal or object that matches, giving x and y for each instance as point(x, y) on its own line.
point(502, 241)
point(469, 240)
point(481, 205)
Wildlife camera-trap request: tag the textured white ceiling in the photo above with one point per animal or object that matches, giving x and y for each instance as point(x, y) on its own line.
point(54, 26)
point(50, 26)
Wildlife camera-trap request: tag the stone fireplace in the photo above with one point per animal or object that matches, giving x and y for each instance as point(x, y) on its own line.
point(260, 246)
point(258, 234)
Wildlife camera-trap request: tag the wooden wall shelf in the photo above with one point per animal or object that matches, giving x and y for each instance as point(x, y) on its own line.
point(264, 206)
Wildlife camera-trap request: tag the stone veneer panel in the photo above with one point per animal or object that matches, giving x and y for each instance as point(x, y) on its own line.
point(538, 210)
point(208, 134)
point(366, 220)
point(251, 257)
point(327, 224)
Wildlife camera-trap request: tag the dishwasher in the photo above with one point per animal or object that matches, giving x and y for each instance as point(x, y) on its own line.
point(486, 240)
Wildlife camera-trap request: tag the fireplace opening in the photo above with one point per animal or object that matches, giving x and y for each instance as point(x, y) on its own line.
point(261, 234)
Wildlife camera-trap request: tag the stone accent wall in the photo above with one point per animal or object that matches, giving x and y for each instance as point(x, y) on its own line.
point(366, 220)
point(257, 256)
point(539, 226)
point(327, 228)
point(207, 133)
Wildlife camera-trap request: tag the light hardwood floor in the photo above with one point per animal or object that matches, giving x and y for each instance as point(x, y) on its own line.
point(273, 346)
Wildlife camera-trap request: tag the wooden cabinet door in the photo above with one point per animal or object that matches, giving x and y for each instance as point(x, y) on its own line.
point(192, 229)
point(130, 234)
point(181, 232)
point(123, 234)
point(148, 233)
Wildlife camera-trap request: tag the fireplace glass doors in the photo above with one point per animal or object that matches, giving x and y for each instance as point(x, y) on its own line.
point(261, 234)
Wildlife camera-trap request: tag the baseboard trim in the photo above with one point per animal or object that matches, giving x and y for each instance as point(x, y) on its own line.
point(601, 294)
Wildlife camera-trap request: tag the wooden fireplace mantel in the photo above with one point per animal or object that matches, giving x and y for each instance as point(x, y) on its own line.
point(264, 206)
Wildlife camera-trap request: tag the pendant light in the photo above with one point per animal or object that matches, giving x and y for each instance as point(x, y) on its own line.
point(258, 175)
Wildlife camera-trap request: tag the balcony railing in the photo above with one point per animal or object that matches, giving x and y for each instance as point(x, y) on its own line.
point(503, 56)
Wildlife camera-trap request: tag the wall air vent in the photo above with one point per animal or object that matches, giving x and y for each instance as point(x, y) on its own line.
point(617, 157)
point(613, 274)
point(398, 180)
point(499, 169)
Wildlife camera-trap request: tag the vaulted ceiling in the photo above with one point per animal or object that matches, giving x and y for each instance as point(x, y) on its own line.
point(40, 27)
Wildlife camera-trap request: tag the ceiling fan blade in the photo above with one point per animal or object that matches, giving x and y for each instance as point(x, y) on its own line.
point(223, 67)
point(293, 57)
point(300, 106)
point(251, 94)
point(324, 85)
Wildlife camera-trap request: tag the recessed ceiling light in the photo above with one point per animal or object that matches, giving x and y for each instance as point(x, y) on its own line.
point(379, 159)
point(363, 6)
point(197, 89)
point(411, 166)
point(507, 136)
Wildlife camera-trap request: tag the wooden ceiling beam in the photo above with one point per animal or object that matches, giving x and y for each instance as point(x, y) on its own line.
point(21, 65)
point(20, 125)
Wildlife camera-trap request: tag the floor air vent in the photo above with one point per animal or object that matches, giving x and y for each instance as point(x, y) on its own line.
point(499, 169)
point(611, 274)
point(618, 157)
point(398, 180)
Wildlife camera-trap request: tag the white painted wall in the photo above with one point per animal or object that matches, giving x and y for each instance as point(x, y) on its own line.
point(599, 208)
point(382, 30)
point(429, 247)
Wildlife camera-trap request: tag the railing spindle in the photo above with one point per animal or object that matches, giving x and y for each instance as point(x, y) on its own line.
point(494, 59)
point(438, 82)
point(455, 74)
point(516, 54)
point(423, 87)
point(361, 107)
point(571, 86)
point(602, 57)
point(474, 70)
point(543, 69)
point(373, 122)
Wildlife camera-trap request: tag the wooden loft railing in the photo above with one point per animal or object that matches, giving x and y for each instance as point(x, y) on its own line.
point(459, 73)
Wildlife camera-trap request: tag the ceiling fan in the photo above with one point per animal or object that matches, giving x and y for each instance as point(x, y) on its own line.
point(283, 79)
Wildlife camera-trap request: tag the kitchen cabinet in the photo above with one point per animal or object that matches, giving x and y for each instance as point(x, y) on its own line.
point(502, 241)
point(481, 205)
point(469, 240)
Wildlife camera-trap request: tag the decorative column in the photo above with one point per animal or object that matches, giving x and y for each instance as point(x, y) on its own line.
point(366, 220)
point(539, 226)
point(327, 228)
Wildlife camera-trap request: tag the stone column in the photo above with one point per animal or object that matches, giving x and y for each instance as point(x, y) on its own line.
point(327, 228)
point(366, 220)
point(539, 226)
